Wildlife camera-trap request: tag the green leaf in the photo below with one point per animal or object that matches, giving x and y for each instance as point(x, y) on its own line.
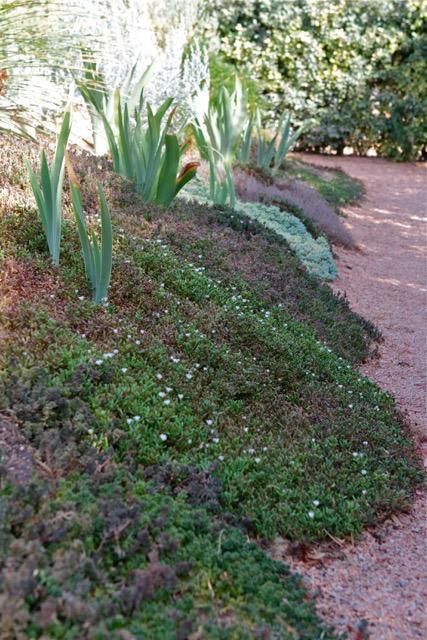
point(166, 189)
point(107, 245)
point(83, 234)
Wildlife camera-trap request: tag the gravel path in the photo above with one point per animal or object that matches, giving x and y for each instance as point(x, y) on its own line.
point(383, 577)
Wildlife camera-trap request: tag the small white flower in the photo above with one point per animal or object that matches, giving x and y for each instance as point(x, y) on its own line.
point(163, 437)
point(221, 458)
point(365, 443)
point(180, 396)
point(137, 418)
point(350, 406)
point(363, 472)
point(257, 460)
point(159, 376)
point(98, 362)
point(161, 394)
point(245, 429)
point(311, 514)
point(124, 369)
point(188, 376)
point(316, 503)
point(166, 401)
point(355, 454)
point(129, 420)
point(209, 422)
point(168, 389)
point(364, 492)
point(80, 297)
point(216, 440)
point(137, 341)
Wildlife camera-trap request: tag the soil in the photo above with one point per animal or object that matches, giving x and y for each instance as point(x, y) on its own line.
point(386, 280)
point(377, 587)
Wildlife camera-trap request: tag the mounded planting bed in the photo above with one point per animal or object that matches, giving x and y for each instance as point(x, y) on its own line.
point(211, 401)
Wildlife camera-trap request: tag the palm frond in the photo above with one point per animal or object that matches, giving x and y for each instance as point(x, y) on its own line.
point(44, 46)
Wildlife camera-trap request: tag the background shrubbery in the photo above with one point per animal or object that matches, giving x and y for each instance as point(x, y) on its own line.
point(357, 66)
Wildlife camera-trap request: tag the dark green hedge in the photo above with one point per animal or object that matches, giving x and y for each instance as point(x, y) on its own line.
point(359, 67)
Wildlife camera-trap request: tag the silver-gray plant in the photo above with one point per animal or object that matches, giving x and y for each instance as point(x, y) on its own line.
point(44, 44)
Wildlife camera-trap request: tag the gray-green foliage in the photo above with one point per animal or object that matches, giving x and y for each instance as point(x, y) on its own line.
point(102, 101)
point(219, 139)
point(48, 190)
point(147, 154)
point(97, 254)
point(221, 183)
point(314, 253)
point(269, 151)
point(358, 66)
point(225, 121)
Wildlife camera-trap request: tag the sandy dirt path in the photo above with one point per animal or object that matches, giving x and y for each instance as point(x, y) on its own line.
point(386, 282)
point(382, 578)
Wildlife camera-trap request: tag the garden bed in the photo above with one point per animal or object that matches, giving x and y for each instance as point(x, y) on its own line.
point(212, 399)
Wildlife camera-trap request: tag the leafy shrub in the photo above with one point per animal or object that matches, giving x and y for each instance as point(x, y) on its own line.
point(222, 74)
point(359, 67)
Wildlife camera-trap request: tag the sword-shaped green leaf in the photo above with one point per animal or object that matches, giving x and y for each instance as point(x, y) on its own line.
point(48, 191)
